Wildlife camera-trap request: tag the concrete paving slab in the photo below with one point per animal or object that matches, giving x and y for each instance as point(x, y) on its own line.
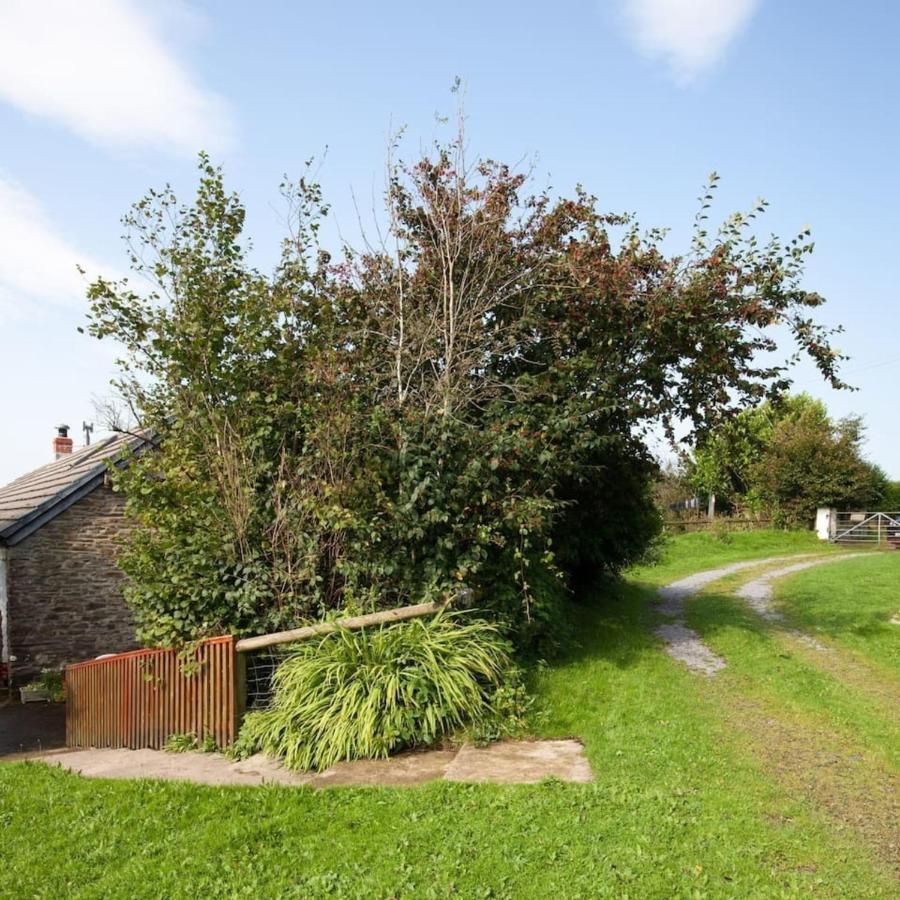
point(395, 771)
point(506, 762)
point(521, 762)
point(205, 768)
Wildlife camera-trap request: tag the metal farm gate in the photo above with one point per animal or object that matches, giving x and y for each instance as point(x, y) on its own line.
point(881, 528)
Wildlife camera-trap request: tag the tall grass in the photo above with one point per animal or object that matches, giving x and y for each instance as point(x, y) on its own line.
point(367, 693)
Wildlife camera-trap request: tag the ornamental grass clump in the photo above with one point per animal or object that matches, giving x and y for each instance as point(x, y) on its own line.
point(364, 694)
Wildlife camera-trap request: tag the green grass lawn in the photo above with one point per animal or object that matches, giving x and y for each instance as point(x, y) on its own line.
point(682, 806)
point(687, 553)
point(767, 665)
point(851, 605)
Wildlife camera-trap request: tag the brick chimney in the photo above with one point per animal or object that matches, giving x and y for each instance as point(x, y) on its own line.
point(62, 443)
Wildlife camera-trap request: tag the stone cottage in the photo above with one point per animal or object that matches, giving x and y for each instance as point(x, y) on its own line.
point(60, 590)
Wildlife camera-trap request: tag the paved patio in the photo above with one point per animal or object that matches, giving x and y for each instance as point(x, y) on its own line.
point(506, 762)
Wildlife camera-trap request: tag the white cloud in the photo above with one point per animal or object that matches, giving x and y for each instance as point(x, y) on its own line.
point(689, 35)
point(37, 264)
point(101, 68)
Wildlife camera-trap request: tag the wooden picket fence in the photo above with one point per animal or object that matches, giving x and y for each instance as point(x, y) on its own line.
point(139, 699)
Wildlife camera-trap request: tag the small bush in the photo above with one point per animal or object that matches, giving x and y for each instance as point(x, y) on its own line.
point(51, 681)
point(510, 713)
point(364, 694)
point(182, 742)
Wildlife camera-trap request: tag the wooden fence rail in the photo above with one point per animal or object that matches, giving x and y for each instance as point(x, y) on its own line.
point(723, 523)
point(138, 699)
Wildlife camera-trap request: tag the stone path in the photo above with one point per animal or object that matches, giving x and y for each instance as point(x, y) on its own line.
point(684, 644)
point(505, 762)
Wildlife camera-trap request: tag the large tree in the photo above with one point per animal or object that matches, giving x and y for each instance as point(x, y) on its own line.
point(462, 402)
point(813, 461)
point(787, 458)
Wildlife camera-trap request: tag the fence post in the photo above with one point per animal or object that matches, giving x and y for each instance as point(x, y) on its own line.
point(240, 689)
point(826, 521)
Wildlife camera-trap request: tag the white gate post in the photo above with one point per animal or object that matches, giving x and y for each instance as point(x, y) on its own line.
point(826, 520)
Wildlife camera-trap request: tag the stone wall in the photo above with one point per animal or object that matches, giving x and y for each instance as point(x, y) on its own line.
point(65, 591)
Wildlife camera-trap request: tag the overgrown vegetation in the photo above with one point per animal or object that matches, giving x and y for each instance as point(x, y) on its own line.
point(462, 402)
point(364, 694)
point(786, 459)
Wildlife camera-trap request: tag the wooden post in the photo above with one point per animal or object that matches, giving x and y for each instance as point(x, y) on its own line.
point(354, 623)
point(240, 689)
point(711, 508)
point(386, 617)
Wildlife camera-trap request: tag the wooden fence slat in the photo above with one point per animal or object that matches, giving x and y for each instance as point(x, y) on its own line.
point(139, 699)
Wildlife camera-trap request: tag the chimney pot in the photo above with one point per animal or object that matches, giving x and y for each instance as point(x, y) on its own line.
point(62, 443)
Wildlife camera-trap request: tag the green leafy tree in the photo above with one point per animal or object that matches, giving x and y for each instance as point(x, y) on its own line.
point(462, 403)
point(787, 458)
point(891, 499)
point(811, 462)
point(724, 461)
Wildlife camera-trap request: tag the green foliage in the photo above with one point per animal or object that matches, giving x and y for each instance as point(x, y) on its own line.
point(609, 520)
point(814, 462)
point(512, 713)
point(367, 693)
point(890, 499)
point(182, 742)
point(51, 681)
point(787, 458)
point(462, 406)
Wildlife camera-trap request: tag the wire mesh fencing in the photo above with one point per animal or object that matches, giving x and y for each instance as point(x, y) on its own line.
point(260, 667)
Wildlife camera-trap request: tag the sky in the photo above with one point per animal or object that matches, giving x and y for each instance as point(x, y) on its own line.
point(638, 100)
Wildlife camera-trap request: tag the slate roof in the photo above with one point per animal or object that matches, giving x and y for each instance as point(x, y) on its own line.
point(34, 499)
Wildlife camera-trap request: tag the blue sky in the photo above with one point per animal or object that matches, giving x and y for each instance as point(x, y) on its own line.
point(636, 99)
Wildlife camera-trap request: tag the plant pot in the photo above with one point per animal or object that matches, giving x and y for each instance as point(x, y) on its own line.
point(34, 695)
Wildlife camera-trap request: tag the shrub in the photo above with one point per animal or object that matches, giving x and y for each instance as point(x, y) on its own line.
point(187, 742)
point(891, 498)
point(367, 693)
point(608, 521)
point(51, 681)
point(349, 432)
